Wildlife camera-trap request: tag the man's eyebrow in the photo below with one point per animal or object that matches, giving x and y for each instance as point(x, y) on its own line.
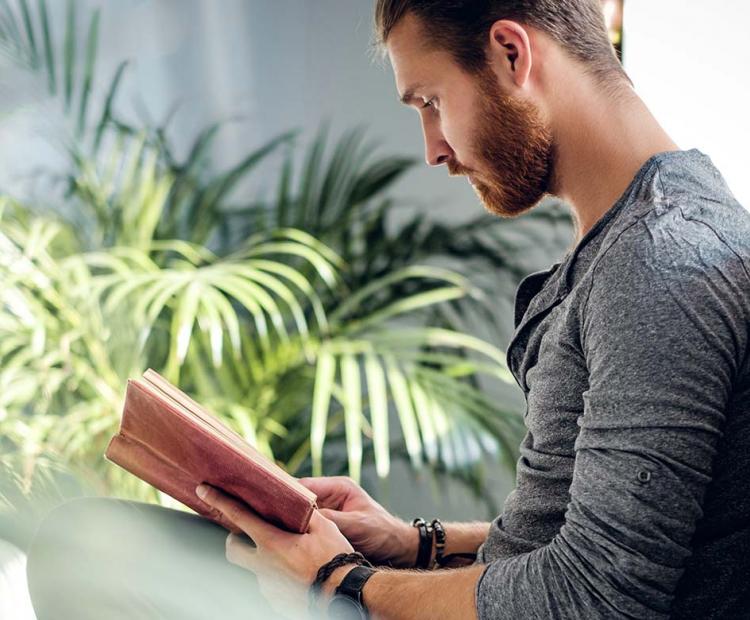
point(408, 95)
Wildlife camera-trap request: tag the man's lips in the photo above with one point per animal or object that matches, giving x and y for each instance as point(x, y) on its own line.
point(469, 178)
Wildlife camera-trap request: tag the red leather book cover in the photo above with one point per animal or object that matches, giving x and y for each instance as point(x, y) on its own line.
point(167, 440)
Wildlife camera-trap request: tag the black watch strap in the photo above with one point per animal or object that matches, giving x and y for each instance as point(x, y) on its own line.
point(352, 585)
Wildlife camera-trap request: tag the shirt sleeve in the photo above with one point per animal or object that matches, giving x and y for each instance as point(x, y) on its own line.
point(663, 333)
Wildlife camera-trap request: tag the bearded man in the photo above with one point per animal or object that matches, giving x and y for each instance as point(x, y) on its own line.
point(633, 485)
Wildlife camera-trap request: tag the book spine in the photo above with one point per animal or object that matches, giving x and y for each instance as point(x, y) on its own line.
point(139, 460)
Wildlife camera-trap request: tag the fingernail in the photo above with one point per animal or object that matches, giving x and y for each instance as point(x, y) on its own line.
point(201, 490)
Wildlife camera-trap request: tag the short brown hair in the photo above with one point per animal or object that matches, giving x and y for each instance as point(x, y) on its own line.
point(462, 26)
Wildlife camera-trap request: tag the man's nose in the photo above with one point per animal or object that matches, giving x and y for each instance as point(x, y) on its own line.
point(437, 150)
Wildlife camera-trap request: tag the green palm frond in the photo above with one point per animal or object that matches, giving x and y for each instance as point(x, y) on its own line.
point(26, 38)
point(53, 358)
point(421, 375)
point(330, 191)
point(127, 195)
point(206, 295)
point(196, 214)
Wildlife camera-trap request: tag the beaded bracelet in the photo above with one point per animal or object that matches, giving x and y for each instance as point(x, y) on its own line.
point(425, 542)
point(440, 537)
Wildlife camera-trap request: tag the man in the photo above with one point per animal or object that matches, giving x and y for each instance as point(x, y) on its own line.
point(633, 486)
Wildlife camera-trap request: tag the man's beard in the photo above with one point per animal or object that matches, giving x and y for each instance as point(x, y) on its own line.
point(515, 149)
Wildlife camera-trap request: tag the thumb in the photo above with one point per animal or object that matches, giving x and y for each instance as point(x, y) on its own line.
point(329, 491)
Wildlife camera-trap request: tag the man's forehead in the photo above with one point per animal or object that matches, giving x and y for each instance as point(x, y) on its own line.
point(411, 59)
point(407, 37)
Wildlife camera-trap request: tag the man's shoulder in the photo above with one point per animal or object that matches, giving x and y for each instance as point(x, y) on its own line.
point(675, 244)
point(687, 220)
point(693, 201)
point(687, 239)
point(666, 277)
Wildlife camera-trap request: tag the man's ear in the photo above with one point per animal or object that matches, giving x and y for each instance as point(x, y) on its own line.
point(509, 52)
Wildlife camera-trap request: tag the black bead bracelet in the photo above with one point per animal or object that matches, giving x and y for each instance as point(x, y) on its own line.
point(424, 551)
point(440, 537)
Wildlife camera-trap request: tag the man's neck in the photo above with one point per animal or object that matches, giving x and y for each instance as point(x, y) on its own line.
point(602, 142)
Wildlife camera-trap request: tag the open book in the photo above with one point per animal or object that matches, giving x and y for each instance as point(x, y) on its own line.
point(172, 443)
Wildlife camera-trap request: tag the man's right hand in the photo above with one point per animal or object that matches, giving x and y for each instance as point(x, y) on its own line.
point(370, 528)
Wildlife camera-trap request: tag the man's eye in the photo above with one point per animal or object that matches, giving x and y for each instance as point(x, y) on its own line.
point(428, 103)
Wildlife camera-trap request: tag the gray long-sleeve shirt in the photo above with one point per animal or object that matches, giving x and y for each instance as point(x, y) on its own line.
point(633, 484)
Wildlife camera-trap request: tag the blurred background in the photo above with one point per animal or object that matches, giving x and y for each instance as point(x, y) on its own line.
point(228, 192)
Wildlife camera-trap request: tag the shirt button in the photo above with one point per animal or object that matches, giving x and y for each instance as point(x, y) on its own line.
point(644, 476)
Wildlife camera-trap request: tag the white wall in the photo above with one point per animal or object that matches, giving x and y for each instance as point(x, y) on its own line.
point(690, 61)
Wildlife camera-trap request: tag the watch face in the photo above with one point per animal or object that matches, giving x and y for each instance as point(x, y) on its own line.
point(344, 608)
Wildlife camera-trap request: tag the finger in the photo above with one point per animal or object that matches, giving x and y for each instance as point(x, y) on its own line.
point(341, 519)
point(238, 513)
point(332, 491)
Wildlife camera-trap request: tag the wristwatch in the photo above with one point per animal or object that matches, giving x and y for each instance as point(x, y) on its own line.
point(347, 600)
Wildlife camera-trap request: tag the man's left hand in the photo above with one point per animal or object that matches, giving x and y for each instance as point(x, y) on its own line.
point(281, 560)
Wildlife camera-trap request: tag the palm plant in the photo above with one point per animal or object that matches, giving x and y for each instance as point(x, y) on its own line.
point(303, 322)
